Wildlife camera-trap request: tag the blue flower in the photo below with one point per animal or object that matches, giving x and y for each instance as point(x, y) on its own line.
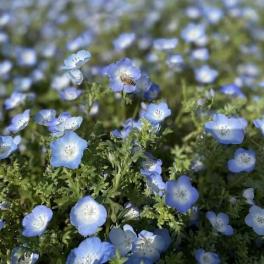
point(156, 113)
point(255, 219)
point(36, 222)
point(213, 14)
point(70, 94)
point(124, 40)
point(2, 224)
point(128, 126)
point(8, 145)
point(205, 74)
point(81, 41)
point(19, 121)
point(150, 245)
point(227, 130)
point(201, 54)
point(151, 165)
point(259, 123)
point(87, 215)
point(23, 255)
point(152, 92)
point(123, 239)
point(43, 117)
point(67, 151)
point(156, 184)
point(14, 100)
point(248, 194)
point(193, 33)
point(244, 161)
point(220, 223)
point(76, 60)
point(232, 90)
point(180, 194)
point(123, 76)
point(26, 57)
point(91, 250)
point(73, 64)
point(205, 257)
point(165, 43)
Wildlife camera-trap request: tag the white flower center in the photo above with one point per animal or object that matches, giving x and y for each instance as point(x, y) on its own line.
point(219, 225)
point(4, 147)
point(245, 160)
point(39, 222)
point(181, 194)
point(69, 151)
point(259, 219)
point(223, 130)
point(206, 259)
point(88, 212)
point(158, 114)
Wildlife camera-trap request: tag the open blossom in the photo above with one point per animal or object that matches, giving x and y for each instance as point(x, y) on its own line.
point(205, 74)
point(23, 255)
point(87, 215)
point(244, 161)
point(220, 223)
point(19, 121)
point(72, 65)
point(67, 151)
point(227, 130)
point(248, 194)
point(70, 94)
point(156, 113)
point(255, 219)
point(44, 116)
point(91, 251)
point(8, 145)
point(205, 257)
point(123, 76)
point(180, 194)
point(124, 40)
point(36, 222)
point(123, 239)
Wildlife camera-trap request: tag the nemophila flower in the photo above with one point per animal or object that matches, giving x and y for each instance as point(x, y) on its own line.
point(259, 123)
point(192, 33)
point(36, 222)
point(128, 126)
point(67, 151)
point(213, 14)
point(205, 74)
point(255, 219)
point(149, 245)
point(87, 215)
point(14, 100)
point(193, 12)
point(76, 60)
point(26, 57)
point(43, 117)
point(152, 92)
point(23, 255)
point(70, 94)
point(2, 224)
point(124, 40)
point(8, 145)
point(205, 257)
point(81, 41)
point(232, 90)
point(220, 223)
point(165, 43)
point(22, 84)
point(226, 130)
point(151, 165)
point(156, 113)
point(248, 194)
point(123, 76)
point(244, 161)
point(156, 184)
point(19, 121)
point(5, 67)
point(123, 239)
point(180, 194)
point(201, 54)
point(60, 82)
point(91, 250)
point(131, 212)
point(73, 64)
